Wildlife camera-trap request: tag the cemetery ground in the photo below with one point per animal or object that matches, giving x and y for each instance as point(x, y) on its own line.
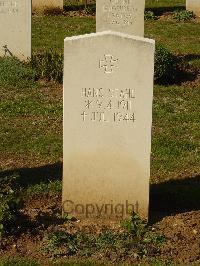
point(32, 229)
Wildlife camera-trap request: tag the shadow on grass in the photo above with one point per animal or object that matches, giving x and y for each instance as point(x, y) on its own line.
point(173, 197)
point(193, 61)
point(181, 76)
point(189, 57)
point(22, 179)
point(159, 11)
point(187, 72)
point(167, 198)
point(79, 7)
point(184, 71)
point(185, 76)
point(31, 176)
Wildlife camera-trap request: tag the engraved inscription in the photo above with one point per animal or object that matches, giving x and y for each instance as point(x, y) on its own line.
point(8, 7)
point(108, 105)
point(108, 64)
point(119, 12)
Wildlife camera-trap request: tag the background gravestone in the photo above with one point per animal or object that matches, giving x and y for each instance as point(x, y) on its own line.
point(108, 92)
point(193, 5)
point(126, 16)
point(15, 28)
point(41, 4)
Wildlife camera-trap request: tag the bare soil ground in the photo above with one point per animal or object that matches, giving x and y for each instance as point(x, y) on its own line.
point(39, 217)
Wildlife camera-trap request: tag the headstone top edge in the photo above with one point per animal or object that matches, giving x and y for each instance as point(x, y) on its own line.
point(111, 33)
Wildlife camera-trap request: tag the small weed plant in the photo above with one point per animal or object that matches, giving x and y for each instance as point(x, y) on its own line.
point(90, 10)
point(183, 15)
point(140, 229)
point(135, 237)
point(60, 242)
point(10, 202)
point(49, 65)
point(135, 225)
point(165, 65)
point(149, 15)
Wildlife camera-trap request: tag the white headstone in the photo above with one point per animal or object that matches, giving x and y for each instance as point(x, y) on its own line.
point(15, 28)
point(42, 4)
point(193, 5)
point(108, 91)
point(126, 16)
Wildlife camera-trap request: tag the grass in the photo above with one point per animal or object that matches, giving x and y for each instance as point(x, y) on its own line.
point(16, 74)
point(33, 135)
point(31, 124)
point(18, 262)
point(49, 188)
point(149, 3)
point(56, 28)
point(175, 131)
point(31, 119)
point(164, 3)
point(21, 262)
point(179, 37)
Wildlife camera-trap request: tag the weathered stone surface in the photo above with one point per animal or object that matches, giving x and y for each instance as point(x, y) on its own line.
point(108, 91)
point(125, 16)
point(193, 5)
point(15, 28)
point(41, 4)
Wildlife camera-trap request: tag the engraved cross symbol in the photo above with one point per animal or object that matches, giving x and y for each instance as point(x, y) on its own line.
point(108, 64)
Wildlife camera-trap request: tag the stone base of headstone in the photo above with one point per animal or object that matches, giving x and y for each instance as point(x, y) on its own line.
point(108, 93)
point(41, 5)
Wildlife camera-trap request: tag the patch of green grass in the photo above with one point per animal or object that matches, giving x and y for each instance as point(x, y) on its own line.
point(179, 37)
point(51, 188)
point(29, 107)
point(50, 31)
point(72, 4)
point(31, 137)
point(76, 262)
point(176, 133)
point(149, 3)
point(18, 262)
point(31, 123)
point(14, 73)
point(86, 262)
point(164, 3)
point(49, 65)
point(195, 62)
